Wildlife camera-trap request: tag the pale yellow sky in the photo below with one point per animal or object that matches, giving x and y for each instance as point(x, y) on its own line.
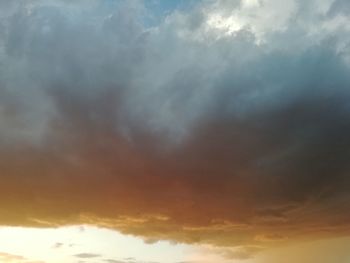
point(91, 244)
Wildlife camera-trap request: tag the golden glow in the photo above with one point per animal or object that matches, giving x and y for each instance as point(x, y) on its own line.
point(91, 244)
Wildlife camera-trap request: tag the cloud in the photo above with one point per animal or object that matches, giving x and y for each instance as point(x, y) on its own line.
point(339, 7)
point(57, 245)
point(87, 255)
point(7, 257)
point(126, 260)
point(10, 257)
point(323, 251)
point(114, 261)
point(232, 132)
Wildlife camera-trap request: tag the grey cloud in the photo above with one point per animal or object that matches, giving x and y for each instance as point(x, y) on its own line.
point(127, 260)
point(340, 7)
point(270, 112)
point(61, 59)
point(58, 245)
point(87, 255)
point(55, 46)
point(114, 261)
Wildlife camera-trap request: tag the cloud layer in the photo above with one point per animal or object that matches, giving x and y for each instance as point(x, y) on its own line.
point(226, 123)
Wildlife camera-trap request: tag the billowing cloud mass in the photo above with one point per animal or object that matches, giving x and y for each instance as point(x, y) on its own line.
point(225, 123)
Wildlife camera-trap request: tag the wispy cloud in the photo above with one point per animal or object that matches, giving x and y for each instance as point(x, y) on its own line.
point(8, 258)
point(87, 255)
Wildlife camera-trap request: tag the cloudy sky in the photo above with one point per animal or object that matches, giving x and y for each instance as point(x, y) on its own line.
point(192, 130)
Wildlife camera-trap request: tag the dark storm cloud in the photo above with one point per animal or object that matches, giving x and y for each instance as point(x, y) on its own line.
point(178, 131)
point(340, 7)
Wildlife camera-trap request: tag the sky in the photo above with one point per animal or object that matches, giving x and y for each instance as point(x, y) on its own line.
point(198, 131)
point(84, 244)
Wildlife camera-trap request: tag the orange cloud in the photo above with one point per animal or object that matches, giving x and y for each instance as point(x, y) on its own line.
point(198, 193)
